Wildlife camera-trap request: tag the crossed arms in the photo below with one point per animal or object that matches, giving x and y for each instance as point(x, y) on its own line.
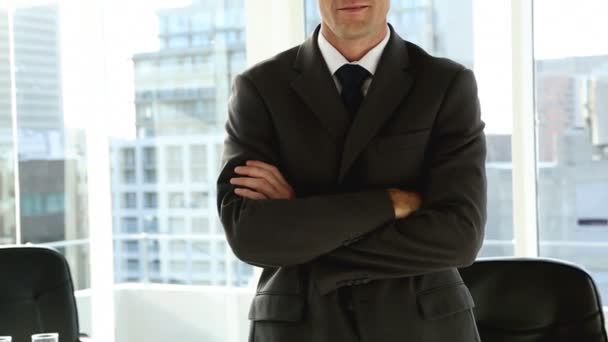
point(370, 234)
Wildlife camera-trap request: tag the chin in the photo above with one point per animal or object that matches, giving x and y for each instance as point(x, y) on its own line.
point(354, 31)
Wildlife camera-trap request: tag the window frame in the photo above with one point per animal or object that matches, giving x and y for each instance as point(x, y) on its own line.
point(273, 26)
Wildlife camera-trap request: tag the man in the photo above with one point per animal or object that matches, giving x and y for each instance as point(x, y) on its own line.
point(354, 175)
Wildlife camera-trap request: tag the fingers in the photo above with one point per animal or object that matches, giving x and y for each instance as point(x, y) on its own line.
point(404, 202)
point(259, 173)
point(249, 194)
point(270, 168)
point(263, 178)
point(258, 184)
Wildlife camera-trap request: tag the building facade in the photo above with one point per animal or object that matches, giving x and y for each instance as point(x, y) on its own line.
point(163, 183)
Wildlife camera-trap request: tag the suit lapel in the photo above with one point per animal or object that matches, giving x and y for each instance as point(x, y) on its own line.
point(316, 87)
point(392, 81)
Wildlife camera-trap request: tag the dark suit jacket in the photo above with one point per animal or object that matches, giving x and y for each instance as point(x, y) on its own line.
point(418, 129)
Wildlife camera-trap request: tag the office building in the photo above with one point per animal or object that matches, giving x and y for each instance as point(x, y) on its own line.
point(163, 183)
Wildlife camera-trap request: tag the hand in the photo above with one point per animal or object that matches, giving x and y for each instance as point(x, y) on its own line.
point(404, 202)
point(264, 181)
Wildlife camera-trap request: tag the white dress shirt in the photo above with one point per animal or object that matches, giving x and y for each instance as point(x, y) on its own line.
point(334, 59)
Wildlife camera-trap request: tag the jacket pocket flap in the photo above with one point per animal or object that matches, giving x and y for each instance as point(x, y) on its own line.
point(445, 301)
point(277, 307)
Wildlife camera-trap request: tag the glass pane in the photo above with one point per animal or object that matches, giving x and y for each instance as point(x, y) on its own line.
point(52, 165)
point(78, 258)
point(128, 255)
point(572, 133)
point(7, 147)
point(50, 150)
point(475, 33)
point(176, 72)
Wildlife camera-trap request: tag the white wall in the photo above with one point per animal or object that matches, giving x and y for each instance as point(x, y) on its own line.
point(159, 313)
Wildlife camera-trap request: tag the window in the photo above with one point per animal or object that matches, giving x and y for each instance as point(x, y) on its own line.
point(174, 155)
point(219, 149)
point(163, 24)
point(175, 174)
point(176, 200)
point(129, 200)
point(168, 64)
point(132, 266)
point(143, 68)
point(201, 21)
point(177, 225)
point(151, 224)
point(50, 180)
point(128, 158)
point(177, 247)
point(155, 267)
point(201, 248)
point(31, 204)
point(201, 268)
point(178, 42)
point(153, 247)
point(174, 167)
point(128, 165)
point(150, 175)
point(55, 202)
point(149, 155)
point(199, 199)
point(131, 246)
point(148, 106)
point(150, 200)
point(202, 62)
point(572, 135)
point(198, 163)
point(178, 94)
point(129, 225)
point(178, 23)
point(128, 176)
point(204, 110)
point(178, 268)
point(165, 108)
point(200, 225)
point(220, 248)
point(221, 268)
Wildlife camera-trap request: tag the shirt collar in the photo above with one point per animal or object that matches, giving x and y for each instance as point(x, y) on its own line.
point(334, 59)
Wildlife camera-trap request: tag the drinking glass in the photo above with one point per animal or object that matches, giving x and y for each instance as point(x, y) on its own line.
point(46, 337)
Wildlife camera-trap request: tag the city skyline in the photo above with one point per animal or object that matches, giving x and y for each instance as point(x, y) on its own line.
point(159, 113)
point(565, 128)
point(163, 182)
point(489, 21)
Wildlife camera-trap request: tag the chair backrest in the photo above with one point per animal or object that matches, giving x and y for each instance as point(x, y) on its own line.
point(534, 300)
point(36, 294)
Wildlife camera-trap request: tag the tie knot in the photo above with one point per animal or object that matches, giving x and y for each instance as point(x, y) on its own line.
point(352, 75)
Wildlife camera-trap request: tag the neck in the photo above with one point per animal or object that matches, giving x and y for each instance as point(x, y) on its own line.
point(354, 49)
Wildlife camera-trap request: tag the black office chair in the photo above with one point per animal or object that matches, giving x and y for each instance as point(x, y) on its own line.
point(36, 294)
point(534, 300)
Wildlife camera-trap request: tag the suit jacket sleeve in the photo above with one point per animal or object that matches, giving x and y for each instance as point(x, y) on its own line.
point(284, 232)
point(447, 231)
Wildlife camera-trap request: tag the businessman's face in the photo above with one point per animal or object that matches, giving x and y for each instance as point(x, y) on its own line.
point(352, 19)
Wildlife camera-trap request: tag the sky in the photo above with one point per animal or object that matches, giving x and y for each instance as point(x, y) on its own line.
point(570, 28)
point(562, 28)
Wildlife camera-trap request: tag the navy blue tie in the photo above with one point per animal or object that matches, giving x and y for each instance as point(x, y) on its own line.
point(351, 77)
